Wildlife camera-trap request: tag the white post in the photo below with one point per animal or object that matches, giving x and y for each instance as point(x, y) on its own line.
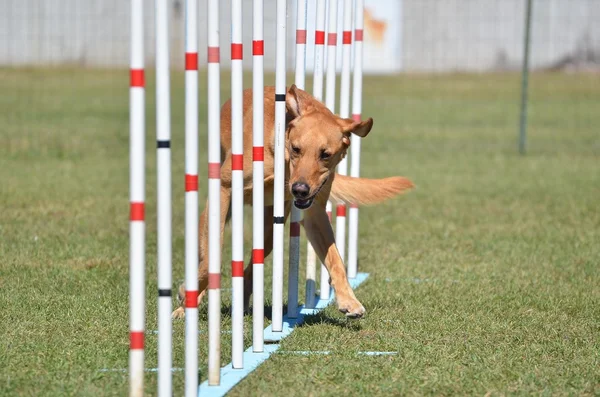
point(296, 214)
point(191, 198)
point(237, 188)
point(163, 190)
point(311, 256)
point(137, 282)
point(330, 103)
point(279, 183)
point(356, 141)
point(342, 169)
point(258, 191)
point(214, 197)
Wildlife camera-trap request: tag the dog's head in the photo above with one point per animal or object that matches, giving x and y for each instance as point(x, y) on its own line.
point(317, 141)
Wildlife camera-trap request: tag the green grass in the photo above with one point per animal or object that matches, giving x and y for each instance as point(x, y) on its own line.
point(485, 279)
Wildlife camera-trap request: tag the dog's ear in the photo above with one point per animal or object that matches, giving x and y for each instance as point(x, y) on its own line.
point(293, 101)
point(360, 128)
point(298, 101)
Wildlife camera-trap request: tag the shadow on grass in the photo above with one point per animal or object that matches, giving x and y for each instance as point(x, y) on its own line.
point(309, 320)
point(323, 318)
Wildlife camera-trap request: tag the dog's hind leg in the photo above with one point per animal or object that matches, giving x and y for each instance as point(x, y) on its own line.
point(203, 250)
point(320, 234)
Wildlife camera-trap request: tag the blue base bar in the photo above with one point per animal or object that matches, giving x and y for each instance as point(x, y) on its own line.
point(230, 377)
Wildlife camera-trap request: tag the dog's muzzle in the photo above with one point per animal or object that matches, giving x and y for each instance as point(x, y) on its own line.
point(305, 203)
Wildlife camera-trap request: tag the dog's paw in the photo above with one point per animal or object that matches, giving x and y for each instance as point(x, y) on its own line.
point(178, 313)
point(352, 309)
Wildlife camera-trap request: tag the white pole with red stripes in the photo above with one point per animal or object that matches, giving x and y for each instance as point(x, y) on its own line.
point(342, 169)
point(296, 214)
point(137, 277)
point(356, 141)
point(311, 256)
point(191, 197)
point(279, 168)
point(330, 103)
point(237, 188)
point(258, 192)
point(214, 197)
point(163, 190)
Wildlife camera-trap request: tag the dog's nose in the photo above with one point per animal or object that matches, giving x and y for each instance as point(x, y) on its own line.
point(300, 190)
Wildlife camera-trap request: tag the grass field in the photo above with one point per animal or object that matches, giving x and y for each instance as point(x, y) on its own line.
point(484, 280)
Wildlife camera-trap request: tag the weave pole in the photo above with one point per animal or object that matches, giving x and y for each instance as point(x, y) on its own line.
point(137, 279)
point(163, 190)
point(258, 172)
point(296, 214)
point(342, 169)
point(191, 198)
point(237, 188)
point(356, 140)
point(279, 165)
point(330, 103)
point(214, 197)
point(311, 256)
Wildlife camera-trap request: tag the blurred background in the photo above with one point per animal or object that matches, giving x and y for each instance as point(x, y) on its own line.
point(438, 45)
point(401, 35)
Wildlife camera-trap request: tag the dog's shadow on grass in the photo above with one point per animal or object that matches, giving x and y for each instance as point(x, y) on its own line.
point(324, 318)
point(316, 319)
point(309, 320)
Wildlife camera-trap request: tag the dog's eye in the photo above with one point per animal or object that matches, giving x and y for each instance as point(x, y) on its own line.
point(325, 155)
point(295, 149)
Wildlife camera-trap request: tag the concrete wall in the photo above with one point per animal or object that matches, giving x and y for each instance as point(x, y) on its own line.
point(437, 35)
point(442, 35)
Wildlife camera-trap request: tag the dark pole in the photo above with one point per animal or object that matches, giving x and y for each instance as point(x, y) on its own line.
point(525, 81)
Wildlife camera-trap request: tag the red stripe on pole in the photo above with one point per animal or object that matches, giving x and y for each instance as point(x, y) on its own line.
point(353, 205)
point(136, 211)
point(214, 170)
point(213, 55)
point(258, 47)
point(191, 61)
point(214, 280)
point(191, 299)
point(358, 35)
point(331, 38)
point(136, 78)
point(300, 36)
point(340, 210)
point(319, 37)
point(237, 51)
point(258, 153)
point(258, 256)
point(294, 229)
point(237, 162)
point(191, 183)
point(136, 340)
point(237, 268)
point(347, 37)
point(356, 117)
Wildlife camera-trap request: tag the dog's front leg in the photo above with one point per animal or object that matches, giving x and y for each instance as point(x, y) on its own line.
point(320, 234)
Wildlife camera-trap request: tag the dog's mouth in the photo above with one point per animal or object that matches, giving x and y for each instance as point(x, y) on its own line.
point(303, 204)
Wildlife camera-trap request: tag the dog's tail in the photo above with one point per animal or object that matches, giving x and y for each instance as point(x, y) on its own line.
point(363, 191)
